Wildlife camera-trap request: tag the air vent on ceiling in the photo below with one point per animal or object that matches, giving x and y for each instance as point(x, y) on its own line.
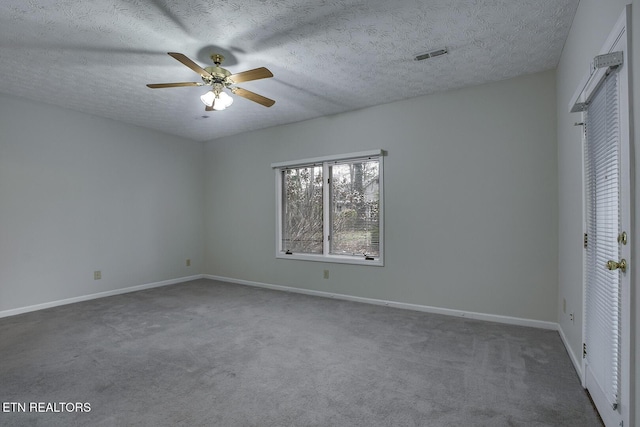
point(432, 54)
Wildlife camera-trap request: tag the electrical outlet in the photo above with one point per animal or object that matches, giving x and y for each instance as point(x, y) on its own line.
point(188, 263)
point(97, 275)
point(326, 274)
point(572, 317)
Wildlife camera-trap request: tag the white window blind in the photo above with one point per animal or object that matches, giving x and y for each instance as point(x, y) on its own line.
point(603, 293)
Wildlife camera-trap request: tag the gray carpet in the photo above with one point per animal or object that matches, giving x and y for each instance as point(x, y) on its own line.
point(206, 353)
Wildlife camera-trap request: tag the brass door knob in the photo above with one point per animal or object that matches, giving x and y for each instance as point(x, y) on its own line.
point(622, 265)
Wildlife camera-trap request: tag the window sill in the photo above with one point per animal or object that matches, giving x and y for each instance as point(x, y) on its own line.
point(339, 259)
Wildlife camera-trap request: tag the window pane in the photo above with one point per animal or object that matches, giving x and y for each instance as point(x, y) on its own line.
point(354, 208)
point(302, 210)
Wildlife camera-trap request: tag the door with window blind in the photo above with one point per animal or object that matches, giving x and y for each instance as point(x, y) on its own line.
point(607, 256)
point(603, 278)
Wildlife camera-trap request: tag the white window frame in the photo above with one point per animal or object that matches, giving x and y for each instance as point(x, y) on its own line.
point(326, 256)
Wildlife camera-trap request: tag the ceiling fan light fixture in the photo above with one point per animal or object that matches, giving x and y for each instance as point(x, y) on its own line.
point(208, 98)
point(222, 101)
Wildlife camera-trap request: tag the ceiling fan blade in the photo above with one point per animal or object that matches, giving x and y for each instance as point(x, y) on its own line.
point(208, 108)
point(182, 84)
point(246, 76)
point(189, 63)
point(253, 96)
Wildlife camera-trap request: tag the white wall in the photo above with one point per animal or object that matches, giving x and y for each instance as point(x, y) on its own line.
point(591, 26)
point(80, 193)
point(470, 193)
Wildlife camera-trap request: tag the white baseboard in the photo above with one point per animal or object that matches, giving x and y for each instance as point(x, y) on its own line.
point(574, 359)
point(428, 309)
point(15, 311)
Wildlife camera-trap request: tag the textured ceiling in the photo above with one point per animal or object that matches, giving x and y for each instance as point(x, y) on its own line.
point(328, 56)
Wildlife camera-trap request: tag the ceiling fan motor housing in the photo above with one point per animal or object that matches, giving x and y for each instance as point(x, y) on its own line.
point(219, 75)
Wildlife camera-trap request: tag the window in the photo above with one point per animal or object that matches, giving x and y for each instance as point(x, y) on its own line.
point(330, 209)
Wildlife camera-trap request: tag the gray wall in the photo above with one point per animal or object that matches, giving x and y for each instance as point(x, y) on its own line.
point(80, 193)
point(470, 194)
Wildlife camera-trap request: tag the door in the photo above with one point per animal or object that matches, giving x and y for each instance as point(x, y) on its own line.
point(607, 221)
point(604, 266)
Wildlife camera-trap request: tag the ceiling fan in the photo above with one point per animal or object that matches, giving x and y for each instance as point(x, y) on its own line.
point(219, 79)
